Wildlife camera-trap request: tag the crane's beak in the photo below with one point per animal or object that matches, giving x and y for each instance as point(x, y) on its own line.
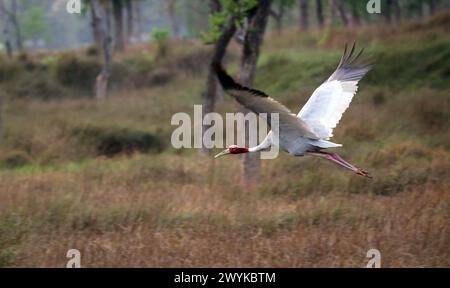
point(224, 152)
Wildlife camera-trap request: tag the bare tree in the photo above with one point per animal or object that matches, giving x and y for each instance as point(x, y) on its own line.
point(6, 33)
point(338, 10)
point(101, 84)
point(137, 12)
point(319, 13)
point(356, 19)
point(1, 117)
point(119, 40)
point(15, 23)
point(220, 46)
point(388, 11)
point(304, 15)
point(95, 24)
point(129, 10)
point(251, 49)
point(420, 8)
point(397, 10)
point(3, 14)
point(432, 6)
point(278, 15)
point(171, 12)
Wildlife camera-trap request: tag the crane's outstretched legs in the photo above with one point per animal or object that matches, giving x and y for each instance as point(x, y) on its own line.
point(335, 158)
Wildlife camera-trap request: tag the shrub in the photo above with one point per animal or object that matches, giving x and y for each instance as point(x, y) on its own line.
point(378, 99)
point(121, 76)
point(433, 114)
point(160, 77)
point(9, 69)
point(14, 158)
point(77, 72)
point(194, 63)
point(112, 141)
point(92, 51)
point(160, 35)
point(36, 85)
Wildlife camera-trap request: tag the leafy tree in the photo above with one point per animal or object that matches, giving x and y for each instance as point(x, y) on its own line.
point(34, 24)
point(235, 9)
point(252, 17)
point(226, 34)
point(279, 13)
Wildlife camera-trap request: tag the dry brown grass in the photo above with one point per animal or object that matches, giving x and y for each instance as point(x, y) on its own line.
point(180, 209)
point(161, 213)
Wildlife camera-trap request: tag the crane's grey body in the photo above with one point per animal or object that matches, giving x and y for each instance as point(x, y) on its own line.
point(296, 146)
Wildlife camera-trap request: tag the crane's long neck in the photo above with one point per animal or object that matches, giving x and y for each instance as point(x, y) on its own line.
point(254, 149)
point(263, 145)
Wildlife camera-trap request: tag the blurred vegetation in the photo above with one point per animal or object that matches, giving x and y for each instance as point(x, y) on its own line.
point(102, 175)
point(161, 36)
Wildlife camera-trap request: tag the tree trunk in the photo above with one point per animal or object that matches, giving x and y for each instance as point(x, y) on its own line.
point(420, 9)
point(101, 84)
point(304, 15)
point(397, 11)
point(95, 24)
point(212, 90)
point(212, 87)
point(8, 47)
point(338, 10)
point(172, 16)
point(278, 19)
point(1, 117)
point(15, 23)
point(356, 19)
point(251, 48)
point(342, 13)
point(119, 43)
point(432, 6)
point(137, 12)
point(319, 13)
point(6, 33)
point(278, 15)
point(129, 10)
point(388, 11)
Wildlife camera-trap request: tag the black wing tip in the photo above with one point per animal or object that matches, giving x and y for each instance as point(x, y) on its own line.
point(228, 82)
point(225, 80)
point(217, 66)
point(352, 67)
point(350, 58)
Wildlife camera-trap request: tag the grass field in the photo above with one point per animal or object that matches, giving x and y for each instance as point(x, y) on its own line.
point(102, 177)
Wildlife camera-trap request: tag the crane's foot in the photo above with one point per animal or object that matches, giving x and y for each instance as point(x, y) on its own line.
point(335, 158)
point(364, 173)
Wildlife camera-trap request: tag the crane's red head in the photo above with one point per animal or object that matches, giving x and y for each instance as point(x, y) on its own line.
point(233, 149)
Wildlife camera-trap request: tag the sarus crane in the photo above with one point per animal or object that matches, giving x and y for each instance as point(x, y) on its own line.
point(308, 132)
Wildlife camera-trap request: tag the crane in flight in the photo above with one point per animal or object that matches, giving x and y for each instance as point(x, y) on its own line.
point(308, 132)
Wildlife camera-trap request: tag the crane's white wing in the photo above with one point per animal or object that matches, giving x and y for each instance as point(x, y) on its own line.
point(329, 101)
point(260, 103)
